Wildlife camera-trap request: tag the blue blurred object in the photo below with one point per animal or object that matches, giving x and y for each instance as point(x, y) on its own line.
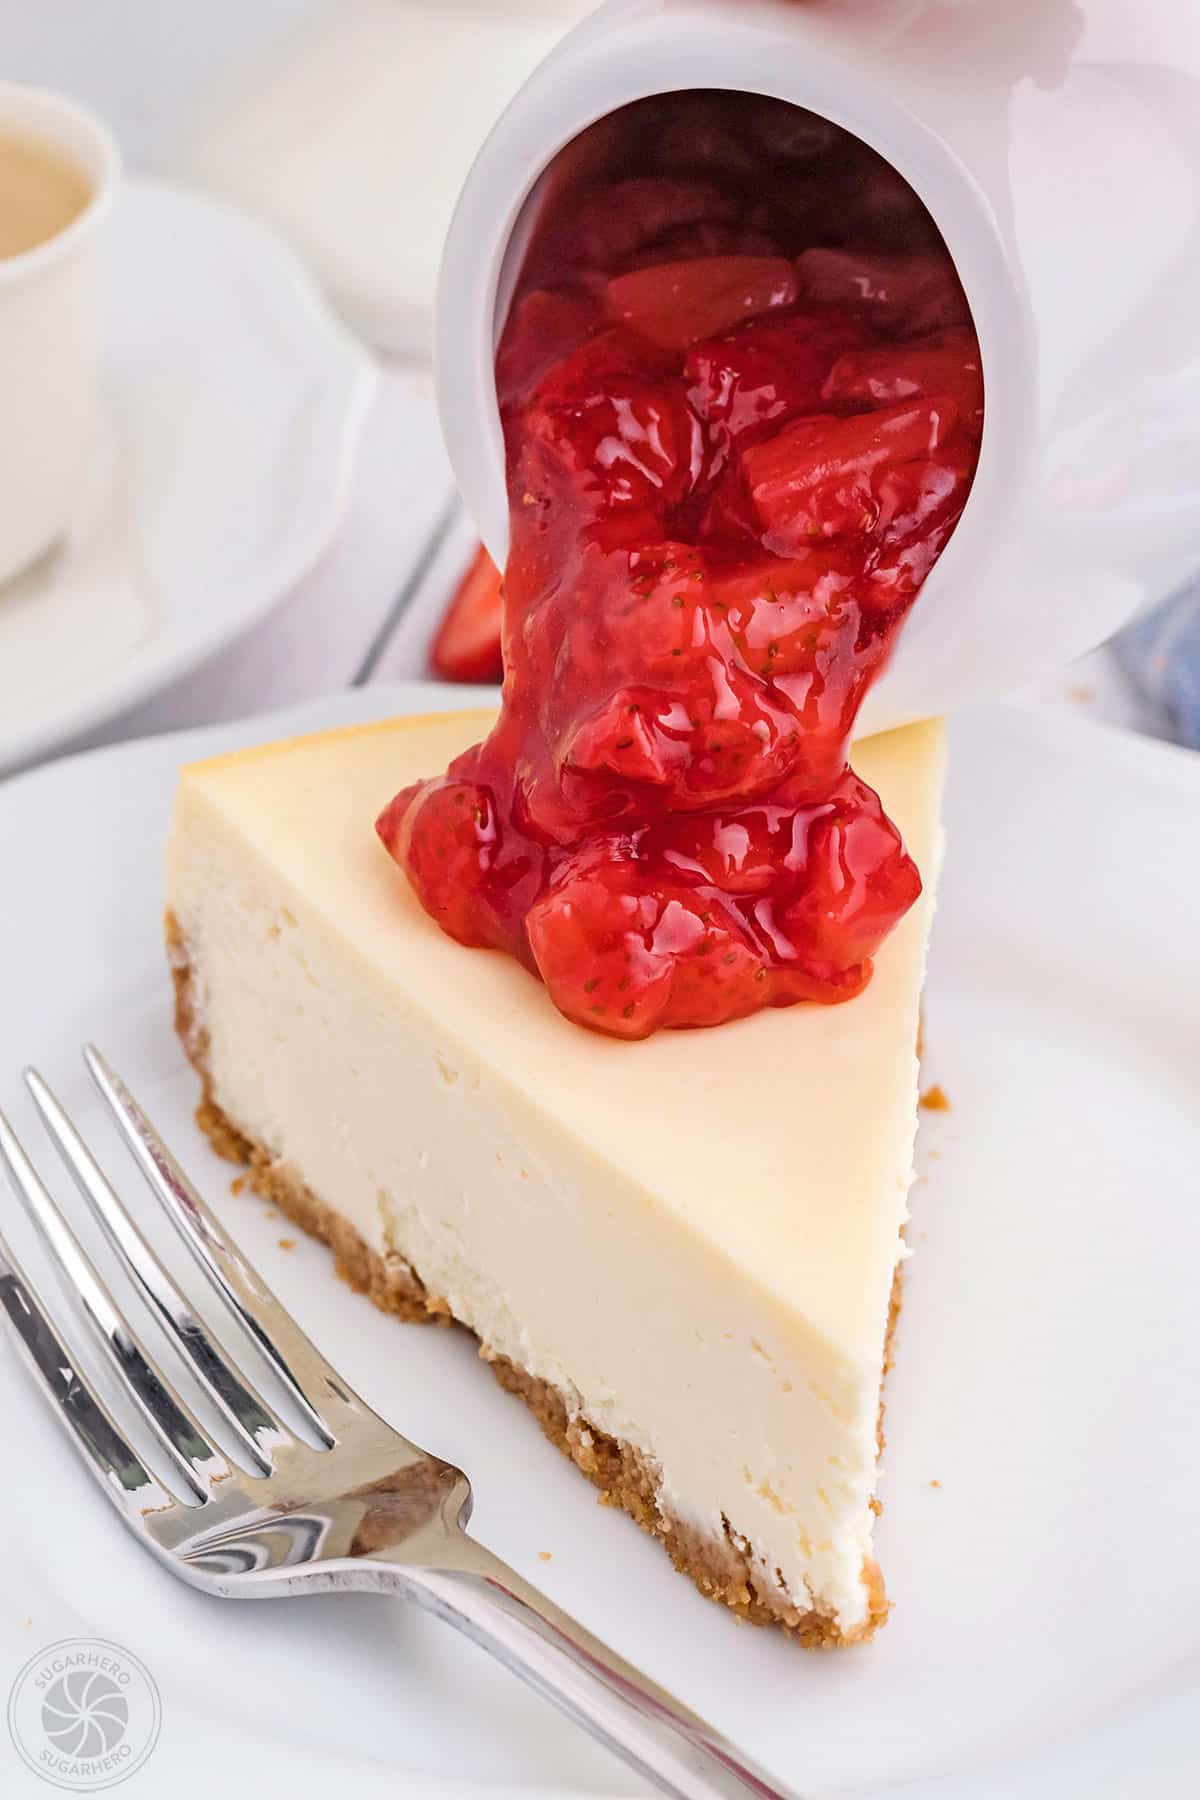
point(1162, 655)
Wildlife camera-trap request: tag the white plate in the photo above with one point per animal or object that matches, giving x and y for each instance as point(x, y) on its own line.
point(1045, 1641)
point(235, 406)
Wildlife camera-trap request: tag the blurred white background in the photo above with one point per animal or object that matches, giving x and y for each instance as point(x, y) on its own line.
point(140, 63)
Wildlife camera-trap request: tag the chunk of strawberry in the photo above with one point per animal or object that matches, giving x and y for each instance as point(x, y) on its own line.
point(786, 613)
point(629, 943)
point(858, 882)
point(442, 833)
point(727, 734)
point(729, 755)
point(882, 377)
point(765, 373)
point(620, 738)
point(676, 303)
point(619, 220)
point(921, 503)
point(738, 851)
point(461, 844)
point(912, 294)
point(542, 328)
point(655, 620)
point(714, 734)
point(820, 477)
point(719, 976)
point(686, 243)
point(624, 954)
point(590, 941)
point(620, 428)
point(919, 496)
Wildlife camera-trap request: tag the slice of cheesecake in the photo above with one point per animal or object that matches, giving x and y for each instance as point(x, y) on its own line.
point(680, 1252)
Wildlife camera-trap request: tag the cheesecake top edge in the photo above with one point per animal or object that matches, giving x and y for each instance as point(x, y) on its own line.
point(224, 759)
point(484, 716)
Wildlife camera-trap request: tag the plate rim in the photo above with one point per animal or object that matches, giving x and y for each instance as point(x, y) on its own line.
point(1047, 1768)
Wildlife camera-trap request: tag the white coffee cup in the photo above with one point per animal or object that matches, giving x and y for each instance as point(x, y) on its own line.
point(50, 318)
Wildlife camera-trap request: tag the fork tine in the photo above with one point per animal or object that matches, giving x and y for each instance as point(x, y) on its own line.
point(246, 1413)
point(298, 1363)
point(197, 1461)
point(133, 1490)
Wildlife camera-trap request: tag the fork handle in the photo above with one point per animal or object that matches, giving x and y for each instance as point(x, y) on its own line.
point(667, 1745)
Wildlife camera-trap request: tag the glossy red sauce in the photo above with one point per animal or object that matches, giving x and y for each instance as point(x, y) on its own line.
point(742, 404)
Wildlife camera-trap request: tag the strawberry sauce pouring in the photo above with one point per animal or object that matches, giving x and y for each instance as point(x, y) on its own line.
point(742, 403)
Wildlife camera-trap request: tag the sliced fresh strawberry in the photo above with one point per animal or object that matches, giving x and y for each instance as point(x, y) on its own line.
point(467, 646)
point(677, 303)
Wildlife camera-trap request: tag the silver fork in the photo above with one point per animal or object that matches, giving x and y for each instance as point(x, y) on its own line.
point(367, 1511)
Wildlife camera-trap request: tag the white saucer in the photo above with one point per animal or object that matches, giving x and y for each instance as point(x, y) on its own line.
point(1043, 1462)
point(235, 405)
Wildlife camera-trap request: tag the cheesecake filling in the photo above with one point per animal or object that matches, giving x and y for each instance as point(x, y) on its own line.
point(756, 1451)
point(709, 1322)
point(743, 404)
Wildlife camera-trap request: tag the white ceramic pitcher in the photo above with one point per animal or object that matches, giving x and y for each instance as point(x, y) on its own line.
point(1057, 145)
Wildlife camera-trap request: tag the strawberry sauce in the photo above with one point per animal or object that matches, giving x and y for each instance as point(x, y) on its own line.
point(742, 404)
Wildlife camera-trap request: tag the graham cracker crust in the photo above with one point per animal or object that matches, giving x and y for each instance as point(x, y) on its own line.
point(722, 1569)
